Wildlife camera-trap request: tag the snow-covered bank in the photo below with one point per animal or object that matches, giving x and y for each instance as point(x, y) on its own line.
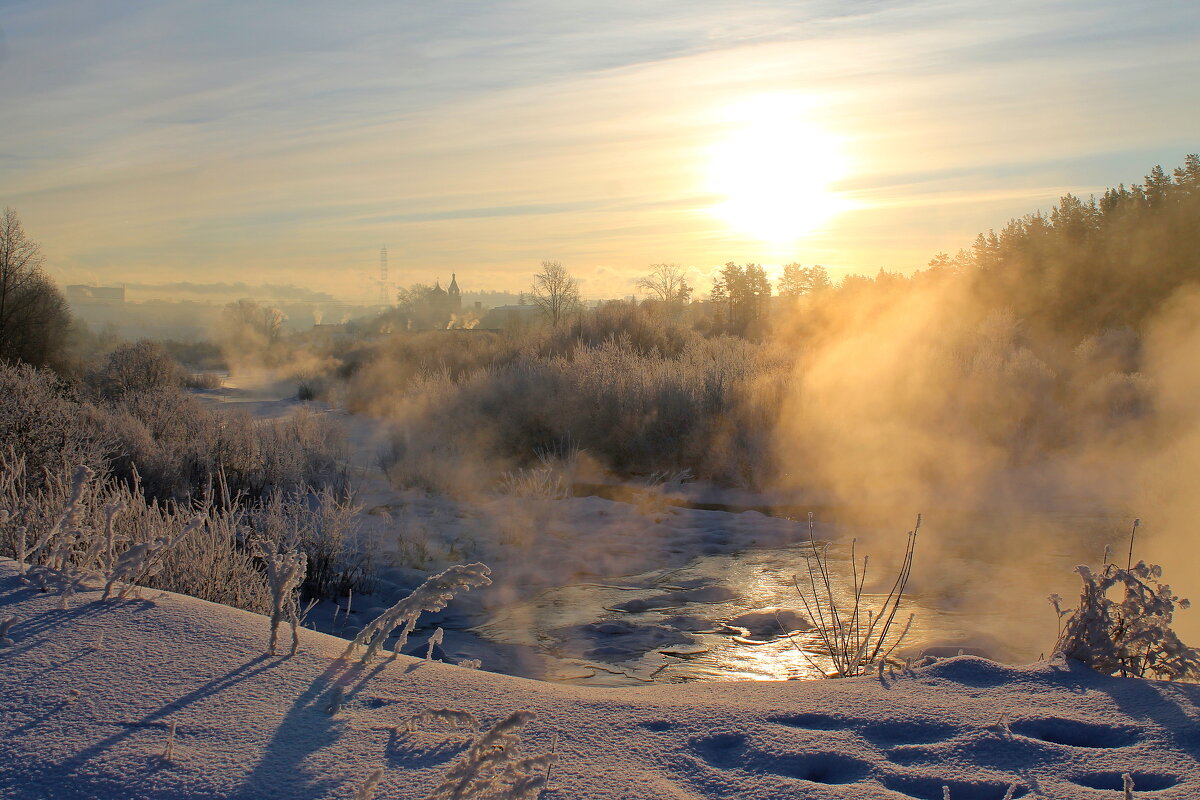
point(88, 696)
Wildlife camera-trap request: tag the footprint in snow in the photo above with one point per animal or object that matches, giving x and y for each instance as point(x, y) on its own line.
point(656, 725)
point(733, 751)
point(888, 733)
point(909, 731)
point(816, 722)
point(1073, 733)
point(1115, 781)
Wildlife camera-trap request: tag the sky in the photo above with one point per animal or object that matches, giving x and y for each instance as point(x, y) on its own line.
point(287, 142)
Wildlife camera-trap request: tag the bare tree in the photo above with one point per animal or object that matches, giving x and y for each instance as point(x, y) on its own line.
point(34, 319)
point(555, 292)
point(666, 283)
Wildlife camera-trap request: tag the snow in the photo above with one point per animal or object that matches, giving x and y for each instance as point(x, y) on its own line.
point(88, 696)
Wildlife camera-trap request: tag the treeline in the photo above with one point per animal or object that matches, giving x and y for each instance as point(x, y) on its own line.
point(1085, 266)
point(1103, 263)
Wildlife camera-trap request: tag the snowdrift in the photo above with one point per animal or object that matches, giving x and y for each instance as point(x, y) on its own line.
point(90, 694)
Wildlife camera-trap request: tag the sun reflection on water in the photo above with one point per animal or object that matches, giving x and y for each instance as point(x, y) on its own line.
point(764, 579)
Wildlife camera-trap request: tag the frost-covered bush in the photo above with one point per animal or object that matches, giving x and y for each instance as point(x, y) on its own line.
point(42, 422)
point(455, 719)
point(74, 525)
point(707, 408)
point(203, 380)
point(366, 789)
point(139, 367)
point(303, 449)
point(535, 482)
point(75, 547)
point(432, 595)
point(152, 433)
point(435, 640)
point(553, 478)
point(178, 446)
point(641, 329)
point(1131, 635)
point(325, 528)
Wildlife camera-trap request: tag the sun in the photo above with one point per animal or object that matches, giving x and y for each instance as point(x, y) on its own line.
point(774, 170)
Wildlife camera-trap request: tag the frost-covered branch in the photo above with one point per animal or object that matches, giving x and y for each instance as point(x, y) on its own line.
point(432, 595)
point(451, 716)
point(493, 768)
point(285, 573)
point(855, 637)
point(69, 515)
point(435, 638)
point(366, 790)
point(143, 561)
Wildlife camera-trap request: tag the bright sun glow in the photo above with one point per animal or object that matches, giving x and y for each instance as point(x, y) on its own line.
point(775, 169)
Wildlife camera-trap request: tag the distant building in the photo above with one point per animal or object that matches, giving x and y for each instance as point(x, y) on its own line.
point(445, 304)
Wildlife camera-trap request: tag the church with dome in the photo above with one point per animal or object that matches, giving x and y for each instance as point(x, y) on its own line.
point(446, 302)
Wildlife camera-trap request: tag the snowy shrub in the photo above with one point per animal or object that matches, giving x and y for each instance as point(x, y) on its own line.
point(169, 750)
point(855, 637)
point(178, 447)
point(535, 482)
point(432, 595)
point(337, 696)
point(554, 477)
point(303, 450)
point(205, 381)
point(212, 561)
point(140, 425)
point(59, 558)
point(42, 423)
point(703, 404)
point(1130, 636)
point(54, 543)
point(74, 526)
point(494, 768)
point(285, 571)
point(325, 527)
point(138, 367)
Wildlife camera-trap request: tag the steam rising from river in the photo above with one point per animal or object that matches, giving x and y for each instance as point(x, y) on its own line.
point(1018, 451)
